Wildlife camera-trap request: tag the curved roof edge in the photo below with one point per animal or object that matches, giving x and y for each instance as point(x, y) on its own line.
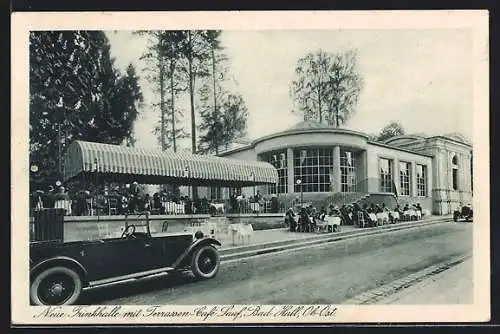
point(295, 131)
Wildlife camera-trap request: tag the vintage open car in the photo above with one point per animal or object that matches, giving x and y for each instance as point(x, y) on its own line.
point(61, 271)
point(464, 212)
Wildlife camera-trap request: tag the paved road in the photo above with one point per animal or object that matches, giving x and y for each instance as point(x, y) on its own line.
point(328, 274)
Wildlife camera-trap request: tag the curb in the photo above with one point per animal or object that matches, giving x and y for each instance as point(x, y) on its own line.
point(241, 252)
point(383, 292)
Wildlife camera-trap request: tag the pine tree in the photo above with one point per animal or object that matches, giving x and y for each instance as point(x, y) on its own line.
point(76, 93)
point(223, 114)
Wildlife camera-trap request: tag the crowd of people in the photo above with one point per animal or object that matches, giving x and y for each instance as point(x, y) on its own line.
point(308, 217)
point(131, 198)
point(119, 200)
point(239, 203)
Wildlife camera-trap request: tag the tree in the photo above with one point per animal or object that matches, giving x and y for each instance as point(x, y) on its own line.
point(223, 114)
point(162, 57)
point(392, 129)
point(326, 86)
point(197, 52)
point(221, 127)
point(76, 93)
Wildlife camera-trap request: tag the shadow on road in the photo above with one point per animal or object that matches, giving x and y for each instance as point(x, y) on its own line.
point(169, 281)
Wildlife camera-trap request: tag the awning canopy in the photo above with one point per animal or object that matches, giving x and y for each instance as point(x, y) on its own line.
point(124, 164)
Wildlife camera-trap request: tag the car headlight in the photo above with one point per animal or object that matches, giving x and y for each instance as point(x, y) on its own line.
point(198, 235)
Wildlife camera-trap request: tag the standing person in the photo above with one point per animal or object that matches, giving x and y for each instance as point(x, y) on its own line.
point(274, 204)
point(62, 200)
point(81, 208)
point(239, 199)
point(137, 197)
point(37, 200)
point(419, 208)
point(48, 200)
point(232, 201)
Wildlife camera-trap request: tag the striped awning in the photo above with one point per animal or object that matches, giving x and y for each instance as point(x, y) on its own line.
point(156, 167)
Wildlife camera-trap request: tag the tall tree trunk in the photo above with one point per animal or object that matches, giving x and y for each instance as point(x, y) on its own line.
point(215, 101)
point(172, 68)
point(191, 100)
point(59, 151)
point(319, 104)
point(191, 93)
point(162, 99)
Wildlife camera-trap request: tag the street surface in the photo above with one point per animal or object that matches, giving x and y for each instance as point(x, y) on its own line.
point(453, 286)
point(328, 274)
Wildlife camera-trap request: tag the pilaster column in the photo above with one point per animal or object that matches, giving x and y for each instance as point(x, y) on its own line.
point(290, 170)
point(395, 175)
point(413, 179)
point(464, 184)
point(336, 170)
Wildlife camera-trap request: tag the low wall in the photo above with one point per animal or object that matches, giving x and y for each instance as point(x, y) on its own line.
point(259, 221)
point(92, 227)
point(78, 228)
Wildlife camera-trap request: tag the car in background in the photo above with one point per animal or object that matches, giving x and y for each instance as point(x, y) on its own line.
point(464, 212)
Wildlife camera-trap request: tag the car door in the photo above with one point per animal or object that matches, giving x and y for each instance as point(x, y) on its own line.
point(165, 250)
point(114, 258)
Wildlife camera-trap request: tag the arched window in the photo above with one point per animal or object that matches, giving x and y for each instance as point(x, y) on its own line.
point(454, 172)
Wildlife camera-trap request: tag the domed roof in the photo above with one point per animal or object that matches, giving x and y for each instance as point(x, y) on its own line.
point(309, 124)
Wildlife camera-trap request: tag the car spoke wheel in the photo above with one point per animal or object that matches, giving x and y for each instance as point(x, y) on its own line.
point(56, 286)
point(205, 262)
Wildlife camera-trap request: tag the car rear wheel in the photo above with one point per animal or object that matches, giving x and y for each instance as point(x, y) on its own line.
point(205, 262)
point(56, 286)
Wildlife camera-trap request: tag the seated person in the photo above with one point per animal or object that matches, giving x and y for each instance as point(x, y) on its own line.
point(372, 208)
point(304, 221)
point(369, 215)
point(322, 214)
point(290, 220)
point(332, 222)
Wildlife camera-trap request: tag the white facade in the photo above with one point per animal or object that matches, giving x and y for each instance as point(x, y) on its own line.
point(432, 171)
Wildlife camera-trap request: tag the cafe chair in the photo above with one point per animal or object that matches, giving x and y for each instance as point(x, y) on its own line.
point(361, 220)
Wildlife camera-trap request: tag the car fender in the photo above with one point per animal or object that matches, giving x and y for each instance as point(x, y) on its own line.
point(194, 245)
point(59, 260)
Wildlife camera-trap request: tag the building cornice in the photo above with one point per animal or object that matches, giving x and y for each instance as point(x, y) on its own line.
point(400, 149)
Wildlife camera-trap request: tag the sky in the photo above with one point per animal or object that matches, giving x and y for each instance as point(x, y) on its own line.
point(420, 78)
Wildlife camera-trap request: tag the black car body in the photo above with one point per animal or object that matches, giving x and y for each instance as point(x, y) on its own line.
point(60, 271)
point(463, 213)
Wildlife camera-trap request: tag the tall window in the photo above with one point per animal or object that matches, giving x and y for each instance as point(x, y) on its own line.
point(313, 168)
point(421, 180)
point(215, 193)
point(404, 178)
point(347, 171)
point(278, 160)
point(385, 175)
point(454, 172)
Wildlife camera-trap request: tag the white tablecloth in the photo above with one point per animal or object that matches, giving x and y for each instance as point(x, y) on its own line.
point(173, 208)
point(63, 204)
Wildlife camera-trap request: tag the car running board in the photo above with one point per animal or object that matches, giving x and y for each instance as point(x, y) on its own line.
point(129, 277)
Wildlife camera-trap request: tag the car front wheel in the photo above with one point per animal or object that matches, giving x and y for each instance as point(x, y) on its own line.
point(56, 286)
point(205, 262)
